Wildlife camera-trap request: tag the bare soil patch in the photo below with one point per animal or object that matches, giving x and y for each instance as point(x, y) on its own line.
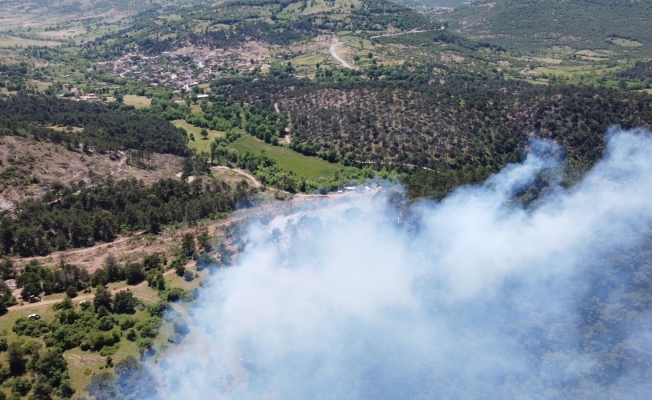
point(34, 166)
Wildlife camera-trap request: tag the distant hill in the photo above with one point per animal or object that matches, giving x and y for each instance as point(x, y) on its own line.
point(271, 22)
point(80, 8)
point(433, 3)
point(618, 25)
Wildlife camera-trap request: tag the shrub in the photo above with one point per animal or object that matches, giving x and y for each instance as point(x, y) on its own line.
point(21, 386)
point(30, 327)
point(145, 345)
point(71, 292)
point(188, 276)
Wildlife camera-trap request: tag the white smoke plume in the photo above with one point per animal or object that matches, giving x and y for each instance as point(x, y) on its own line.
point(474, 297)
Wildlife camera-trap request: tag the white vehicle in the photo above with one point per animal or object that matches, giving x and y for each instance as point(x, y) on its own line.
point(34, 316)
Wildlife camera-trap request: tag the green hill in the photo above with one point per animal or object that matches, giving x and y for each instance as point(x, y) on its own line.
point(617, 25)
point(273, 23)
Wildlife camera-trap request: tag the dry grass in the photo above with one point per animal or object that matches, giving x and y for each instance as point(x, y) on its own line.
point(12, 42)
point(49, 162)
point(137, 101)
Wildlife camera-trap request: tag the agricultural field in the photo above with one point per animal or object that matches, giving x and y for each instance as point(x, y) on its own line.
point(137, 101)
point(310, 167)
point(625, 42)
point(14, 42)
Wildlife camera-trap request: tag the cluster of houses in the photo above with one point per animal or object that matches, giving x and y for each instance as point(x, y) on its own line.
point(182, 70)
point(72, 93)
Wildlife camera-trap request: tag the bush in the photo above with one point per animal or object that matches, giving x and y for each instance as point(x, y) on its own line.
point(30, 327)
point(16, 358)
point(71, 292)
point(145, 346)
point(188, 276)
point(158, 309)
point(110, 350)
point(180, 270)
point(176, 294)
point(98, 340)
point(203, 261)
point(149, 327)
point(102, 386)
point(21, 386)
point(65, 390)
point(126, 322)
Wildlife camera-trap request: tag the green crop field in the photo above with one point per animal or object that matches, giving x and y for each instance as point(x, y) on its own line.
point(310, 167)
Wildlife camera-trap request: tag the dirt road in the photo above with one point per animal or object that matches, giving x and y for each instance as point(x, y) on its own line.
point(246, 174)
point(88, 296)
point(398, 34)
point(333, 51)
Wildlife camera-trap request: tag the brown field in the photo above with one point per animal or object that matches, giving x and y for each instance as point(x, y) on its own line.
point(137, 101)
point(49, 162)
point(20, 42)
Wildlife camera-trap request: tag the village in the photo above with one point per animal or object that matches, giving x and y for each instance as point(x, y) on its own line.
point(182, 69)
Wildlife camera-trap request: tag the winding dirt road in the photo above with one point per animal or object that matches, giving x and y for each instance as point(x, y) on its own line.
point(246, 174)
point(333, 51)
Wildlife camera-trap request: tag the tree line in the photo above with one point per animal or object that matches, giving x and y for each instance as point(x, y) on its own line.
point(79, 216)
point(105, 129)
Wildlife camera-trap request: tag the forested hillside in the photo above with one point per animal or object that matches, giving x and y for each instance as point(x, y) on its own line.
point(619, 25)
point(235, 22)
point(104, 128)
point(641, 71)
point(450, 123)
point(76, 216)
point(53, 7)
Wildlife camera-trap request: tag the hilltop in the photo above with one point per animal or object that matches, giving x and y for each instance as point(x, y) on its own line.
point(616, 25)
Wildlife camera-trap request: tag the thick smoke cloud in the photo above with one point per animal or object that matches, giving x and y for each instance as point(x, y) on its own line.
point(475, 297)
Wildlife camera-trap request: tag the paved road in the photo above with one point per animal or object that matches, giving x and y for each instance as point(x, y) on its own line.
point(337, 57)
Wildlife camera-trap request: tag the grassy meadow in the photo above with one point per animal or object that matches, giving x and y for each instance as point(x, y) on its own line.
point(310, 167)
point(137, 101)
point(199, 143)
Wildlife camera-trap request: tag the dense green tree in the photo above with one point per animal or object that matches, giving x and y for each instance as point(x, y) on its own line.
point(124, 302)
point(52, 367)
point(204, 240)
point(134, 273)
point(188, 244)
point(7, 269)
point(113, 269)
point(16, 358)
point(102, 298)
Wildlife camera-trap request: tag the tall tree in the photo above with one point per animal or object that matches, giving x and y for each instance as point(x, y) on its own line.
point(102, 298)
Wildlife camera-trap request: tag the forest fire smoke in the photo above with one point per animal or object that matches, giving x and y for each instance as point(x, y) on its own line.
point(478, 296)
